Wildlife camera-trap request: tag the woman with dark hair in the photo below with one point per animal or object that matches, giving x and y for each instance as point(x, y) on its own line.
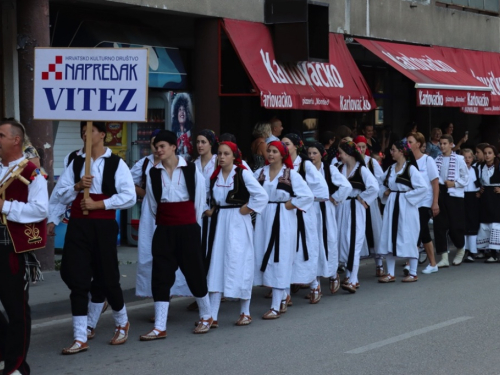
point(352, 212)
point(206, 145)
point(275, 236)
point(403, 189)
point(488, 237)
point(182, 124)
point(326, 211)
point(305, 265)
point(234, 193)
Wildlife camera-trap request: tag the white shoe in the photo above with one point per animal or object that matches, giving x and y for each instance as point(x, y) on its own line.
point(2, 365)
point(15, 373)
point(443, 263)
point(459, 257)
point(430, 269)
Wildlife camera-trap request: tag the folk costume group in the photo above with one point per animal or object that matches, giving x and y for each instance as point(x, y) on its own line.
point(197, 235)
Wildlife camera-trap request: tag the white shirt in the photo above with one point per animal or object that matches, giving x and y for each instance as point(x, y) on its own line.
point(461, 176)
point(36, 208)
point(471, 186)
point(175, 189)
point(124, 184)
point(428, 170)
point(56, 209)
point(272, 138)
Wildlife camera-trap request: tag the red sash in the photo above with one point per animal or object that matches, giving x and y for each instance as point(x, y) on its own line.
point(76, 209)
point(25, 237)
point(176, 213)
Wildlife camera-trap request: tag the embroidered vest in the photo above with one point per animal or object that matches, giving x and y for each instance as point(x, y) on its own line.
point(328, 177)
point(189, 172)
point(356, 179)
point(108, 176)
point(403, 178)
point(25, 237)
point(239, 194)
point(284, 182)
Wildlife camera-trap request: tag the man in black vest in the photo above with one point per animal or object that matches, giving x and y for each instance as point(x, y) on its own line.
point(176, 190)
point(90, 243)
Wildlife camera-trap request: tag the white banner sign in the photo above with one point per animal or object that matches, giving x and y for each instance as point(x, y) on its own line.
point(91, 84)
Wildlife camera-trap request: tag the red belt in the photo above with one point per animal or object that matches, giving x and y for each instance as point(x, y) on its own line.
point(76, 209)
point(176, 213)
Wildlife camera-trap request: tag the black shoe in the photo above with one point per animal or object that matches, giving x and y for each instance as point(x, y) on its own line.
point(480, 255)
point(468, 257)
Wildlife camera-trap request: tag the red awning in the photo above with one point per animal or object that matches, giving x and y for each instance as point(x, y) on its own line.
point(334, 86)
point(439, 81)
point(483, 66)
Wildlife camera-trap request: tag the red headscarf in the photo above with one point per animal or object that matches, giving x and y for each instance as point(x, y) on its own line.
point(362, 139)
point(287, 160)
point(237, 158)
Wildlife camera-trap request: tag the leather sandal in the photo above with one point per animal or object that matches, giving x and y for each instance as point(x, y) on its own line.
point(244, 320)
point(90, 333)
point(271, 314)
point(204, 326)
point(76, 347)
point(334, 284)
point(349, 287)
point(121, 335)
point(387, 279)
point(410, 279)
point(154, 334)
point(285, 303)
point(315, 295)
point(215, 324)
point(379, 272)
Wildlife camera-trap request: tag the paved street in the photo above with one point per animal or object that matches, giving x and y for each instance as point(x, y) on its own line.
point(446, 323)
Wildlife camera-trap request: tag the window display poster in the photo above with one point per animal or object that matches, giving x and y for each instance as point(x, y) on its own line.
point(182, 122)
point(116, 138)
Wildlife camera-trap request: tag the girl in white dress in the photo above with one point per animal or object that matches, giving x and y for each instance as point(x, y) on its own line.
point(234, 194)
point(338, 189)
point(373, 217)
point(275, 236)
point(147, 225)
point(305, 265)
point(402, 191)
point(352, 212)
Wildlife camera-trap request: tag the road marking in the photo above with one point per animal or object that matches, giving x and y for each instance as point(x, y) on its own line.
point(68, 320)
point(407, 335)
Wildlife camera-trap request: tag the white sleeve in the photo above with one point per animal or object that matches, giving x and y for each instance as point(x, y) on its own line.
point(316, 182)
point(136, 171)
point(66, 193)
point(432, 171)
point(378, 172)
point(343, 184)
point(124, 184)
point(463, 174)
point(150, 196)
point(383, 188)
point(371, 185)
point(415, 196)
point(258, 195)
point(304, 197)
point(35, 209)
point(200, 197)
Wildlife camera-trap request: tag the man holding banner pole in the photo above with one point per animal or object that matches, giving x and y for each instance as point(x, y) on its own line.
point(90, 244)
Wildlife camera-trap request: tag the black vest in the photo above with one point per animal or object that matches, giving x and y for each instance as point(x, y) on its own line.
point(328, 177)
point(356, 179)
point(403, 178)
point(284, 182)
point(72, 157)
point(495, 178)
point(108, 176)
point(239, 194)
point(189, 172)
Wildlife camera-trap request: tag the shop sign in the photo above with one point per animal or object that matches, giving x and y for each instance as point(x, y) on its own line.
point(91, 84)
point(453, 98)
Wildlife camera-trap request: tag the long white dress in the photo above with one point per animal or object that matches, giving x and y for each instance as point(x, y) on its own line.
point(408, 222)
point(369, 195)
point(305, 271)
point(278, 273)
point(231, 268)
point(147, 228)
point(375, 215)
point(180, 287)
point(328, 264)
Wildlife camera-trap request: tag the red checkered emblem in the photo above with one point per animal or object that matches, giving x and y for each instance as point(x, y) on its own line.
point(53, 69)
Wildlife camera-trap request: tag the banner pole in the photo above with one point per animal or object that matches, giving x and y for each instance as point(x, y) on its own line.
point(88, 151)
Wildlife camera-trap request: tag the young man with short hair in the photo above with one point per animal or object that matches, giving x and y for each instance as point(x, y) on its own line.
point(177, 195)
point(90, 251)
point(276, 129)
point(453, 177)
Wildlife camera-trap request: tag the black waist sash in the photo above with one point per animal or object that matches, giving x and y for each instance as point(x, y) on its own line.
point(274, 241)
point(369, 229)
point(322, 207)
point(211, 233)
point(301, 234)
point(352, 243)
point(395, 222)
